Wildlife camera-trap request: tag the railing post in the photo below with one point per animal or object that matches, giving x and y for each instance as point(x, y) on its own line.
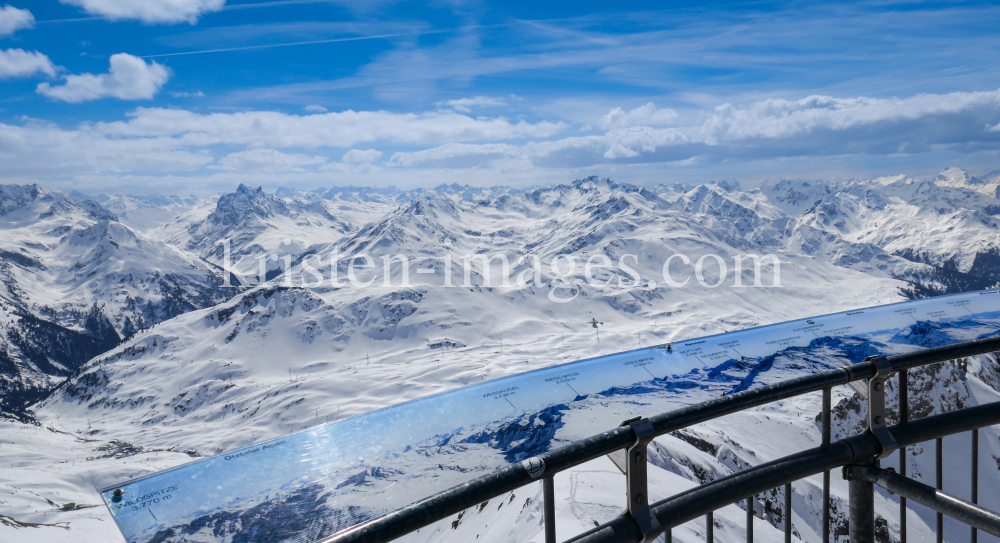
point(709, 528)
point(861, 495)
point(749, 503)
point(975, 478)
point(549, 508)
point(904, 417)
point(939, 479)
point(788, 513)
point(827, 393)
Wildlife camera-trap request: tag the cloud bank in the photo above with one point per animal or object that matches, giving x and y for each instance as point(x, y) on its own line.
point(344, 129)
point(158, 141)
point(812, 126)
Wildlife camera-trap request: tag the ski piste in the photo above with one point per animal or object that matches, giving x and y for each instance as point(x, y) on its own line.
point(310, 484)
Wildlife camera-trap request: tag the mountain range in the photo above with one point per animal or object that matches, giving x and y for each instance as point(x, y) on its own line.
point(123, 351)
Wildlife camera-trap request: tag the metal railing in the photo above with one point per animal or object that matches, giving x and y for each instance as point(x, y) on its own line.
point(858, 455)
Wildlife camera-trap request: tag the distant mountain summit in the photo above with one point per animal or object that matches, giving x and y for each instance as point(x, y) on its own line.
point(246, 207)
point(989, 184)
point(22, 202)
point(255, 224)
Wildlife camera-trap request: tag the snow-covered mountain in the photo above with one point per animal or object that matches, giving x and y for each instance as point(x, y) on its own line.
point(227, 367)
point(76, 281)
point(988, 183)
point(948, 226)
point(255, 224)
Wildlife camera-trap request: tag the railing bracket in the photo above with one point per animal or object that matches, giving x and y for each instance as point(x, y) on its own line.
point(635, 475)
point(876, 406)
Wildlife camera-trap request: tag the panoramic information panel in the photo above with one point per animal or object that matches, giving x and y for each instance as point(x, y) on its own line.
point(308, 485)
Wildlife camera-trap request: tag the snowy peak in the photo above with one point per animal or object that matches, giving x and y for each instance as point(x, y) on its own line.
point(589, 194)
point(958, 178)
point(425, 224)
point(733, 220)
point(840, 212)
point(75, 281)
point(431, 207)
point(15, 196)
point(136, 280)
point(256, 225)
point(22, 205)
point(348, 193)
point(795, 197)
point(246, 203)
point(113, 234)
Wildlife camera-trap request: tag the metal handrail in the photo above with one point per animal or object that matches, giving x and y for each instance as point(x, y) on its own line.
point(713, 495)
point(969, 513)
point(452, 501)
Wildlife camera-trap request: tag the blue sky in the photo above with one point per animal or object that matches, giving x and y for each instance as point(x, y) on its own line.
point(198, 95)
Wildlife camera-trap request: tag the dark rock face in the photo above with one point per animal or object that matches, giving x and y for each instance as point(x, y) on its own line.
point(38, 350)
point(16, 196)
point(246, 203)
point(97, 212)
point(984, 273)
point(986, 266)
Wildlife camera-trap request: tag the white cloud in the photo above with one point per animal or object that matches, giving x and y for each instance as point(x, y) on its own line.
point(267, 160)
point(366, 168)
point(39, 149)
point(21, 63)
point(357, 156)
point(786, 118)
point(452, 151)
point(812, 126)
point(129, 78)
point(314, 108)
point(198, 94)
point(149, 11)
point(344, 129)
point(431, 143)
point(13, 19)
point(465, 105)
point(586, 150)
point(646, 115)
